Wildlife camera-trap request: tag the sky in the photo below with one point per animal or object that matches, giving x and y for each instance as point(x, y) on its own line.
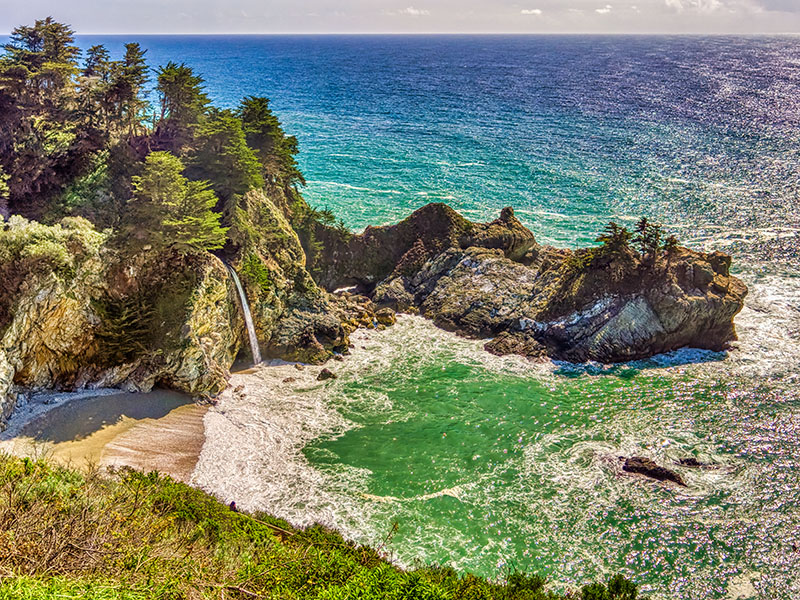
point(400, 16)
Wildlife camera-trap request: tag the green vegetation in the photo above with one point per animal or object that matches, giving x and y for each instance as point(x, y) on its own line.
point(169, 211)
point(66, 534)
point(58, 246)
point(75, 136)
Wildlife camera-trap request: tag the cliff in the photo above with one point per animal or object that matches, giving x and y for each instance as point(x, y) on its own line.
point(492, 280)
point(78, 310)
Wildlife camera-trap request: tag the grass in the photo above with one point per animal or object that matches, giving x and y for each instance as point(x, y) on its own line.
point(66, 534)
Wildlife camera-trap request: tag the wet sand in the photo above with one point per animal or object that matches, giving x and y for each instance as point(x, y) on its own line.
point(160, 431)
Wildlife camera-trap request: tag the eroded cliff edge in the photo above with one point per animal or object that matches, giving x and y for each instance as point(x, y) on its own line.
point(78, 310)
point(493, 280)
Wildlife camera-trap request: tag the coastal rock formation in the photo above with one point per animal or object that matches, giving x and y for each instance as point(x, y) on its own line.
point(75, 316)
point(76, 311)
point(648, 468)
point(493, 280)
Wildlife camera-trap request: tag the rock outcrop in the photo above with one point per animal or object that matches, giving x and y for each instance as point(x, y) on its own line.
point(493, 280)
point(648, 468)
point(77, 311)
point(76, 316)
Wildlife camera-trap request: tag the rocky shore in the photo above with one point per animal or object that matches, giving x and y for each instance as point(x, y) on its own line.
point(493, 280)
point(77, 311)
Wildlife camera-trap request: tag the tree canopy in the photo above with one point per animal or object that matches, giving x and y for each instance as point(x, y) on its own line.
point(168, 210)
point(81, 138)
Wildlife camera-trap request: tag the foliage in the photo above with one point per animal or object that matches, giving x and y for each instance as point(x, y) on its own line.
point(59, 122)
point(307, 220)
point(618, 588)
point(169, 211)
point(58, 245)
point(223, 157)
point(39, 63)
point(266, 137)
point(183, 102)
point(254, 269)
point(615, 237)
point(648, 239)
point(146, 536)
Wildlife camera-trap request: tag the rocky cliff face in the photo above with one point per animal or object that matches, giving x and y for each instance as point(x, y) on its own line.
point(295, 319)
point(494, 281)
point(75, 315)
point(76, 311)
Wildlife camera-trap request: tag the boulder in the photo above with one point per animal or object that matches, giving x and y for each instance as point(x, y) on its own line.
point(326, 374)
point(648, 468)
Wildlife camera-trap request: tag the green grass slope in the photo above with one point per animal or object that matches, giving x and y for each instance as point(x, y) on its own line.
point(66, 534)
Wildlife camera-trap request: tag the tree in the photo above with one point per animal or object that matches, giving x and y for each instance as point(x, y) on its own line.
point(125, 95)
point(39, 63)
point(275, 150)
point(615, 237)
point(648, 239)
point(183, 102)
point(97, 63)
point(169, 211)
point(223, 157)
point(671, 244)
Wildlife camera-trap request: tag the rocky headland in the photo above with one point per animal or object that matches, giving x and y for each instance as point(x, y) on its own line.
point(493, 280)
point(77, 310)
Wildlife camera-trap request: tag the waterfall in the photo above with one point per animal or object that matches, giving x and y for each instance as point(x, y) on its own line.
point(248, 317)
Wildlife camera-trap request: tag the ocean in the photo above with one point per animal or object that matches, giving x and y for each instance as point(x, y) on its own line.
point(489, 464)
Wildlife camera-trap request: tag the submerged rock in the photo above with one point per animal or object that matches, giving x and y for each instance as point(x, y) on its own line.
point(648, 468)
point(493, 280)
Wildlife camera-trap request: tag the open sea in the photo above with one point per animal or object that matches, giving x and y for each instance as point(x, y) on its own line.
point(493, 463)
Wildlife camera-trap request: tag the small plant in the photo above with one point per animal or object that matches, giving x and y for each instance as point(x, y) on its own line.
point(617, 588)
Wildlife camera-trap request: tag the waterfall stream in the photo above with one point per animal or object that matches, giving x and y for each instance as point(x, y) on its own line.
point(248, 317)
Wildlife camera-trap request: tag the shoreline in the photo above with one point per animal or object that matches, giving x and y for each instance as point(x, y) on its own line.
point(107, 429)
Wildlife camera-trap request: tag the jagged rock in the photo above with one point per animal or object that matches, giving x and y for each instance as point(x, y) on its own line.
point(648, 468)
point(326, 374)
point(515, 342)
point(366, 259)
point(385, 316)
point(485, 280)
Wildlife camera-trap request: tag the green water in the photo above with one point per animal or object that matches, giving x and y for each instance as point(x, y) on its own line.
point(487, 464)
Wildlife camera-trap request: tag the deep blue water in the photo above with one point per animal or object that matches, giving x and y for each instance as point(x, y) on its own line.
point(699, 132)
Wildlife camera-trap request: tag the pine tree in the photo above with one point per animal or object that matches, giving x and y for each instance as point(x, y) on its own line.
point(274, 148)
point(39, 64)
point(169, 211)
point(223, 157)
point(615, 237)
point(183, 102)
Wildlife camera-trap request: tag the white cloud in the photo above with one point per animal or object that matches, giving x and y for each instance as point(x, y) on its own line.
point(414, 12)
point(531, 11)
point(607, 9)
point(701, 6)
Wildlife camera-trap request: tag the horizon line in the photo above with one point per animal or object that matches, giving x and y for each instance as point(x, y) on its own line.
point(452, 33)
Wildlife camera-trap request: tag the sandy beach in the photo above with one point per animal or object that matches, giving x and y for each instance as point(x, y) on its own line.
point(160, 431)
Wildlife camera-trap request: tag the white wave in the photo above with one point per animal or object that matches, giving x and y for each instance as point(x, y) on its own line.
point(356, 188)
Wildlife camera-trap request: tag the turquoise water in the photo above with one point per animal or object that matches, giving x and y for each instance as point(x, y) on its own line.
point(488, 463)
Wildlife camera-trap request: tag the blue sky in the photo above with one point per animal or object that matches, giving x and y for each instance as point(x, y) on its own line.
point(404, 16)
